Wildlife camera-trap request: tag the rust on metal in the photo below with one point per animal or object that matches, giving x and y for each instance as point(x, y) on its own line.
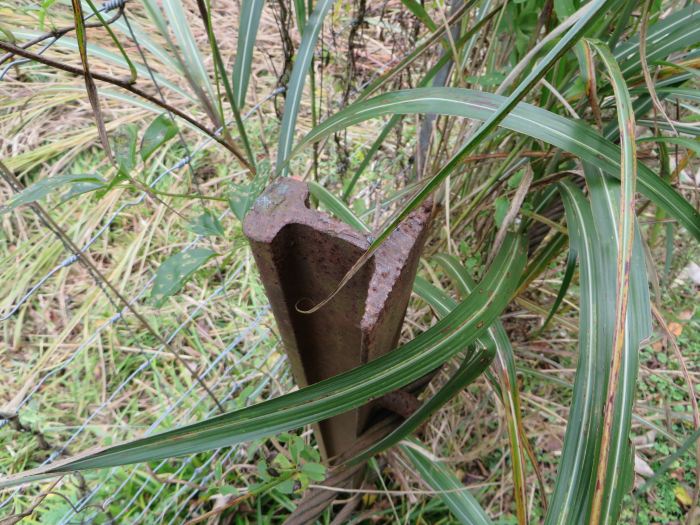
point(302, 254)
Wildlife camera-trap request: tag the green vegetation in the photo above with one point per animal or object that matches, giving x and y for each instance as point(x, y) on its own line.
point(557, 294)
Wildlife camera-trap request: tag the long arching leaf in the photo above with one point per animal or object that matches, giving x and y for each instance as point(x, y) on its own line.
point(571, 497)
point(247, 33)
point(614, 459)
point(455, 495)
point(592, 232)
point(605, 199)
point(507, 386)
point(192, 58)
point(570, 135)
point(326, 398)
point(296, 82)
point(675, 32)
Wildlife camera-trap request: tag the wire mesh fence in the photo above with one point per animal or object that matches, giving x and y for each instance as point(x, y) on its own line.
point(227, 375)
point(247, 369)
point(111, 381)
point(243, 367)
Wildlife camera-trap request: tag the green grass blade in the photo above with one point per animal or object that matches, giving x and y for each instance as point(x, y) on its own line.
point(193, 64)
point(177, 16)
point(369, 155)
point(677, 93)
point(621, 22)
point(247, 34)
point(542, 259)
point(145, 39)
point(438, 300)
point(457, 498)
point(326, 398)
point(156, 16)
point(565, 282)
point(675, 32)
point(614, 451)
point(300, 12)
point(337, 207)
point(497, 338)
point(295, 88)
point(668, 463)
point(592, 233)
point(471, 368)
point(420, 13)
point(605, 198)
point(644, 103)
point(688, 143)
point(220, 70)
point(81, 38)
point(570, 135)
point(679, 127)
point(108, 28)
point(483, 12)
point(571, 497)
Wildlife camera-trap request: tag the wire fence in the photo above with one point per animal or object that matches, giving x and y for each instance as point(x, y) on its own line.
point(227, 375)
point(246, 333)
point(249, 362)
point(184, 417)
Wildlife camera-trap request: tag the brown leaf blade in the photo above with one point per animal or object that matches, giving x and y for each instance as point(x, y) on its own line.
point(90, 86)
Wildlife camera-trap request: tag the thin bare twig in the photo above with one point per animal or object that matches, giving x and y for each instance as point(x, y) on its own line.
point(58, 33)
point(518, 199)
point(16, 518)
point(128, 86)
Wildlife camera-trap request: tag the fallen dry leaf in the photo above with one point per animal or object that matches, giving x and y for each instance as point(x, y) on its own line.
point(675, 328)
point(641, 467)
point(685, 315)
point(692, 272)
point(682, 496)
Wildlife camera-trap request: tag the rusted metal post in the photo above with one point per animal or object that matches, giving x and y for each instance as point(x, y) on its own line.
point(303, 253)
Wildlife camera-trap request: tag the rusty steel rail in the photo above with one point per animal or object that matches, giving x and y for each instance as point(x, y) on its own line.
point(302, 254)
